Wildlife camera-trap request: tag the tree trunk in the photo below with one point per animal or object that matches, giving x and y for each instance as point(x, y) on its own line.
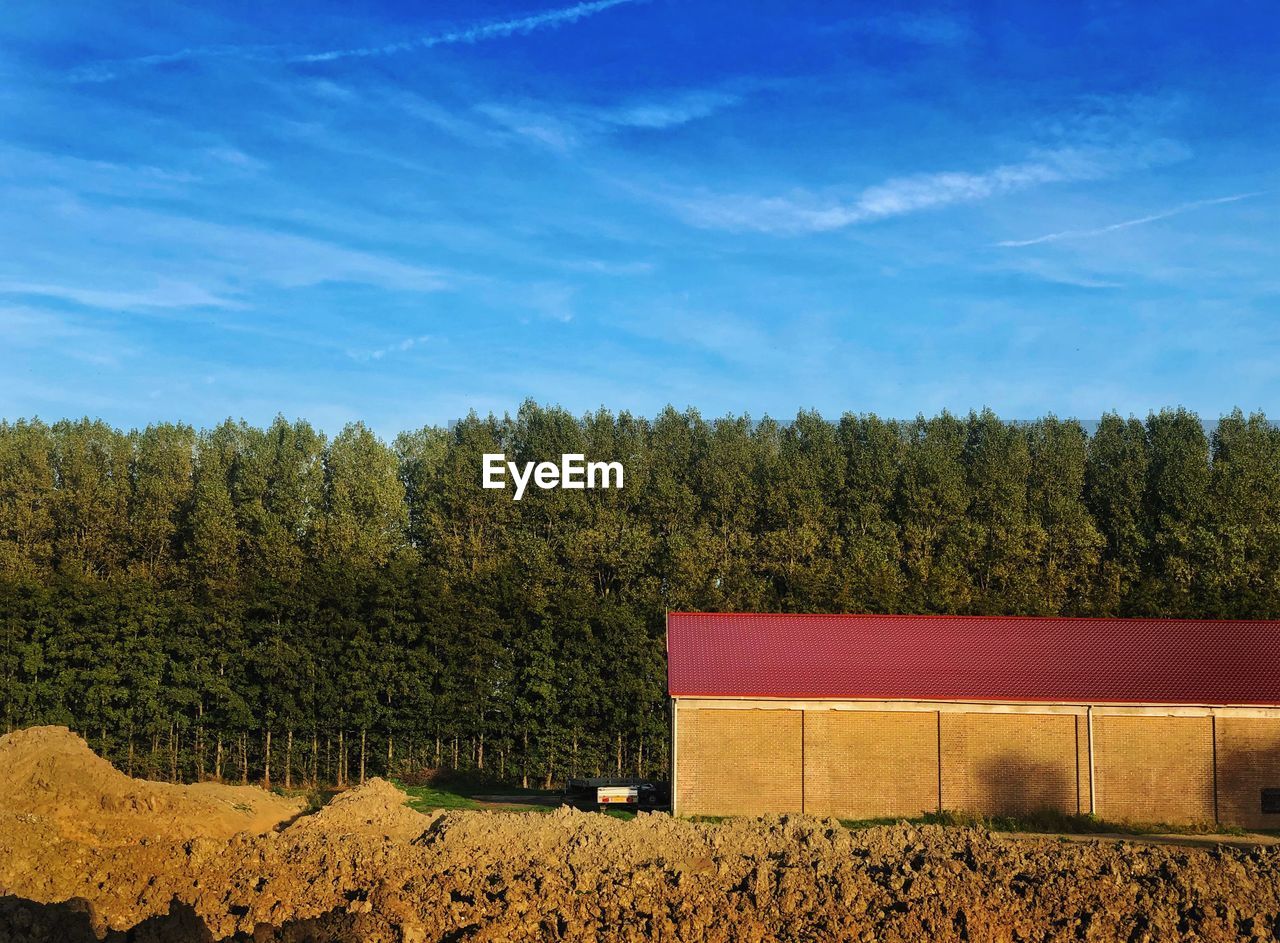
point(266, 761)
point(437, 762)
point(480, 754)
point(391, 753)
point(217, 759)
point(200, 740)
point(342, 760)
point(524, 763)
point(362, 733)
point(640, 757)
point(244, 759)
point(288, 759)
point(619, 754)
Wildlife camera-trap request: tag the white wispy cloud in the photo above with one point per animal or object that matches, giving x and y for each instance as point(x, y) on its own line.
point(469, 34)
point(898, 196)
point(399, 347)
point(31, 328)
point(1128, 223)
point(563, 128)
point(163, 294)
point(547, 130)
point(681, 109)
point(604, 267)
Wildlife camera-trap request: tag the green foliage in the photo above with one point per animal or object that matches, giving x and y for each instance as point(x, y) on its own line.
point(183, 597)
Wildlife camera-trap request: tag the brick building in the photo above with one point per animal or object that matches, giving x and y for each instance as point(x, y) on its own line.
point(1141, 720)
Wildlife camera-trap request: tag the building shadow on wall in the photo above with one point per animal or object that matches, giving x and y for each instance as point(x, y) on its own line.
point(69, 922)
point(1249, 782)
point(1012, 784)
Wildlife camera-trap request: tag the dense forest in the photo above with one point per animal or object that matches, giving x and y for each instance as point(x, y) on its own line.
point(274, 605)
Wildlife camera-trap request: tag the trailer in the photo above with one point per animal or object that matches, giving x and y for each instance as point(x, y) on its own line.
point(633, 795)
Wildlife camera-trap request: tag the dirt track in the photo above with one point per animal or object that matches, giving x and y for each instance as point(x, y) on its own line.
point(367, 868)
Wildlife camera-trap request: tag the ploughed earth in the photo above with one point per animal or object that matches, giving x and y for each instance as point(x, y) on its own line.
point(87, 853)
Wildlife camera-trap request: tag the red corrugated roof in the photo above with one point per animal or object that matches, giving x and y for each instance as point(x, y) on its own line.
point(974, 658)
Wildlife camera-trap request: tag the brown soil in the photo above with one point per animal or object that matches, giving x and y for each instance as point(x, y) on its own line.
point(50, 774)
point(366, 868)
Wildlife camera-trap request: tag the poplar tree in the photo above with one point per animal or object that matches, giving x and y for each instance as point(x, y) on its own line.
point(930, 509)
point(1176, 512)
point(1239, 574)
point(1069, 540)
point(1115, 493)
point(27, 496)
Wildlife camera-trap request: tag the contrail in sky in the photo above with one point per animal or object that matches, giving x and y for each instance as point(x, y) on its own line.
point(1140, 221)
point(478, 32)
point(471, 34)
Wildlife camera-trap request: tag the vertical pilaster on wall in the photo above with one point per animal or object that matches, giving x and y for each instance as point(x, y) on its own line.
point(938, 715)
point(1093, 768)
point(675, 758)
point(1213, 733)
point(1077, 764)
point(675, 706)
point(804, 773)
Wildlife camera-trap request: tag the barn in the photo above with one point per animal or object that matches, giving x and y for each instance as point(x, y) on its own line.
point(867, 716)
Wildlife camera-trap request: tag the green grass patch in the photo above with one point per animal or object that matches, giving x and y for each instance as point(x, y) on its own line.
point(434, 797)
point(431, 798)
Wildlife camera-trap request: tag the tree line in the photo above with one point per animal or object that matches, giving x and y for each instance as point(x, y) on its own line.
point(269, 604)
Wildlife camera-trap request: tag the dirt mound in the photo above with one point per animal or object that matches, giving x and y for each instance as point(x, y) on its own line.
point(369, 869)
point(50, 776)
point(376, 808)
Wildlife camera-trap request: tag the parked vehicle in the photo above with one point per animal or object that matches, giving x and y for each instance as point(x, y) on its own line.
point(601, 793)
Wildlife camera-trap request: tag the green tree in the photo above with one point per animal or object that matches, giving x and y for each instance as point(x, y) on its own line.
point(1115, 494)
point(161, 478)
point(1071, 548)
point(1177, 509)
point(1239, 574)
point(930, 509)
point(26, 500)
point(871, 567)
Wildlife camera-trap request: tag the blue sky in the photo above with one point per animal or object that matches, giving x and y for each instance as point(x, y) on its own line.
point(400, 212)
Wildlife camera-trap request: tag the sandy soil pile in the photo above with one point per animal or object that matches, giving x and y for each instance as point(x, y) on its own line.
point(368, 869)
point(376, 809)
point(50, 776)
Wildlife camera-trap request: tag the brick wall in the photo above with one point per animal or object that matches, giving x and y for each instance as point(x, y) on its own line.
point(1248, 762)
point(738, 762)
point(882, 763)
point(870, 764)
point(1154, 769)
point(1006, 764)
